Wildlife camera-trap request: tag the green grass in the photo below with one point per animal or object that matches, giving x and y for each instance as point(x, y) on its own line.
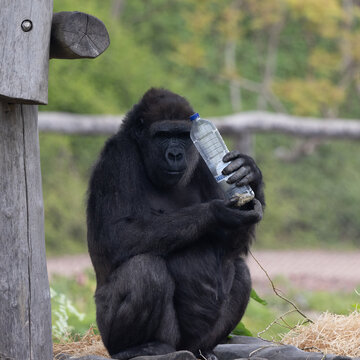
point(80, 292)
point(311, 303)
point(313, 202)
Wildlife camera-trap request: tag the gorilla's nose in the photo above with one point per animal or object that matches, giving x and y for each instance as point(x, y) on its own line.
point(174, 155)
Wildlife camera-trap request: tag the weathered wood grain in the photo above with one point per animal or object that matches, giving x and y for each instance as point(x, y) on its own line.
point(25, 315)
point(24, 56)
point(77, 35)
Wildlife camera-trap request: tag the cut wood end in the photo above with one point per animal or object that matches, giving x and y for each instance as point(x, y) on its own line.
point(76, 35)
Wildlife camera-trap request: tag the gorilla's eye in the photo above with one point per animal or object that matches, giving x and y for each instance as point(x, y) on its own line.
point(167, 135)
point(162, 135)
point(184, 135)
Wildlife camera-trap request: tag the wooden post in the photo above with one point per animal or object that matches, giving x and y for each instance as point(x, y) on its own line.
point(25, 314)
point(24, 37)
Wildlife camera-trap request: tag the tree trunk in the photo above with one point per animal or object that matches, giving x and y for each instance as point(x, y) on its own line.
point(243, 141)
point(270, 65)
point(117, 8)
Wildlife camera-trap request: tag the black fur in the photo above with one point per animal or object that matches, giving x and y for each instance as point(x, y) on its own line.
point(166, 247)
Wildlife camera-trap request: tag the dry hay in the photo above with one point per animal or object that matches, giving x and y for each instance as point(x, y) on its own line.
point(89, 344)
point(330, 334)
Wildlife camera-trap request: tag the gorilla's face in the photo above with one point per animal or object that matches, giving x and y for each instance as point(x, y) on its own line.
point(168, 152)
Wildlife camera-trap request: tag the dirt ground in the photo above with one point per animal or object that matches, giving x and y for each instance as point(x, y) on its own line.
point(310, 270)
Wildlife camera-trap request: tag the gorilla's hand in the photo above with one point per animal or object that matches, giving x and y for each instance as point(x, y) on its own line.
point(229, 216)
point(243, 169)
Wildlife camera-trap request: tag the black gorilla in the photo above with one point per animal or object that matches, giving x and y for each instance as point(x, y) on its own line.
point(166, 247)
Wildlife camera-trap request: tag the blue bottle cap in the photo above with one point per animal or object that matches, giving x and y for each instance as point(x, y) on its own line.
point(194, 117)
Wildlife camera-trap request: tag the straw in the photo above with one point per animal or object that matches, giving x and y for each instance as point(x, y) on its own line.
point(90, 343)
point(330, 334)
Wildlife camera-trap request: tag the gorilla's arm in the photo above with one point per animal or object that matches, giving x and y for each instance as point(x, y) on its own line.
point(125, 236)
point(158, 234)
point(121, 224)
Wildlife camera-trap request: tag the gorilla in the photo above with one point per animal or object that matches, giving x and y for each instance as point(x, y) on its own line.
point(167, 247)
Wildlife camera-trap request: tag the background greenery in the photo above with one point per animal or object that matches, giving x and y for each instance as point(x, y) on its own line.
point(296, 56)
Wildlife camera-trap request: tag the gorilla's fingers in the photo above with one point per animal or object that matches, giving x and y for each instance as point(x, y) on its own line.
point(249, 178)
point(233, 166)
point(231, 155)
point(257, 205)
point(256, 214)
point(239, 175)
point(232, 202)
point(233, 217)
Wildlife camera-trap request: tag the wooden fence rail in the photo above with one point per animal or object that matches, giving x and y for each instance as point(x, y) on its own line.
point(236, 124)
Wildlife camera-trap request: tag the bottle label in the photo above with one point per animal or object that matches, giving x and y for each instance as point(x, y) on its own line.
point(220, 177)
point(219, 168)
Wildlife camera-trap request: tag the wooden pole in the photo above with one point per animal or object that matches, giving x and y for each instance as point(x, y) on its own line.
point(25, 314)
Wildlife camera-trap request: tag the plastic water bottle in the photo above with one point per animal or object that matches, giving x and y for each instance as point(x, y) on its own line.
point(211, 146)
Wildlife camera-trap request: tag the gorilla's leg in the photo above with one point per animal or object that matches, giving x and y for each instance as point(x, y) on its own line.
point(135, 311)
point(231, 312)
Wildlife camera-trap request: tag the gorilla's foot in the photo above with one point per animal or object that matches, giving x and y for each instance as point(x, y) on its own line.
point(206, 355)
point(151, 348)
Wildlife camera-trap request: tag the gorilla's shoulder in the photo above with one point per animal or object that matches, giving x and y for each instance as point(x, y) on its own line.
point(119, 144)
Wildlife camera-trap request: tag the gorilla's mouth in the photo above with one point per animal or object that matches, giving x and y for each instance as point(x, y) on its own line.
point(173, 172)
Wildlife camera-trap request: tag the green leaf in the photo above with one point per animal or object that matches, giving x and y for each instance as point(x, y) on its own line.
point(257, 298)
point(241, 330)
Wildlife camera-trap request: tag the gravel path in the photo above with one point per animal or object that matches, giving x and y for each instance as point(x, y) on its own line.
point(312, 270)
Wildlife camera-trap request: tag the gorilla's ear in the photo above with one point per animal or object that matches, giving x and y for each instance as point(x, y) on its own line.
point(135, 122)
point(138, 129)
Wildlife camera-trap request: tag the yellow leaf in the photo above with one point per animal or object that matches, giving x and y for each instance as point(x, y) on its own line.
point(190, 54)
point(265, 13)
point(309, 97)
point(324, 62)
point(229, 26)
point(324, 16)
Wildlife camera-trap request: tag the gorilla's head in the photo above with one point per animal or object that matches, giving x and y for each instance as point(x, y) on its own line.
point(160, 125)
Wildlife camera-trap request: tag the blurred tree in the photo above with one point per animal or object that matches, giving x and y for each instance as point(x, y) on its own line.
point(331, 64)
point(231, 55)
point(297, 56)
